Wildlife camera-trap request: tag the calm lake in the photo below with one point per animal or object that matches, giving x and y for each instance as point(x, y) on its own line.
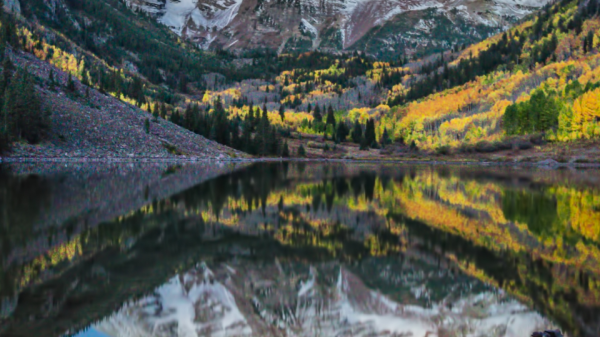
point(298, 249)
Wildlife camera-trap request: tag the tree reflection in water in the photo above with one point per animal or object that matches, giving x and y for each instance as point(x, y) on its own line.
point(289, 247)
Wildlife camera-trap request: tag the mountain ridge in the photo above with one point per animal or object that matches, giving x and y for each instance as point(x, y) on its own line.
point(330, 25)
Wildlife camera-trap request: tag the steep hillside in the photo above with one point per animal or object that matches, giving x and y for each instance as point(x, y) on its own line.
point(383, 28)
point(86, 124)
point(51, 114)
point(544, 80)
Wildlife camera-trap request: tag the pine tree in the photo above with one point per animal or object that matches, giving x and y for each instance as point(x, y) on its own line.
point(221, 123)
point(357, 134)
point(136, 89)
point(156, 111)
point(7, 71)
point(213, 133)
point(274, 148)
point(23, 115)
point(183, 83)
point(70, 84)
point(590, 40)
point(285, 152)
point(189, 121)
point(8, 32)
point(370, 133)
point(330, 116)
point(317, 114)
point(52, 79)
point(85, 80)
point(256, 118)
point(235, 135)
point(341, 132)
point(301, 151)
point(263, 135)
point(163, 111)
point(247, 145)
point(385, 138)
point(282, 112)
point(363, 144)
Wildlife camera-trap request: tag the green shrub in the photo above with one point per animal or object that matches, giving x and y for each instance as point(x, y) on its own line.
point(524, 145)
point(172, 149)
point(443, 150)
point(315, 145)
point(413, 146)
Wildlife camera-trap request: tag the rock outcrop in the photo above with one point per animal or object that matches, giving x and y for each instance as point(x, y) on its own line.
point(382, 27)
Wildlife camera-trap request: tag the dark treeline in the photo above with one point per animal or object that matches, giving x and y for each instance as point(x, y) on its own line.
point(21, 115)
point(254, 134)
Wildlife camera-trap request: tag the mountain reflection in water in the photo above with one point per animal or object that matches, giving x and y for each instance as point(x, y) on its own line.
point(308, 249)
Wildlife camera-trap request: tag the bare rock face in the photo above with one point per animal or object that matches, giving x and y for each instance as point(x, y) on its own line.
point(375, 26)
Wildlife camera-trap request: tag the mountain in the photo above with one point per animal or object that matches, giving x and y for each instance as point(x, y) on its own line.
point(70, 96)
point(378, 27)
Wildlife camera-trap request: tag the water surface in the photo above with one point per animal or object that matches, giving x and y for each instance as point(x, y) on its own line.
point(298, 249)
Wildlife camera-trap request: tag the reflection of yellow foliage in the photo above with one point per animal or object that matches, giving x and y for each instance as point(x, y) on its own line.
point(56, 255)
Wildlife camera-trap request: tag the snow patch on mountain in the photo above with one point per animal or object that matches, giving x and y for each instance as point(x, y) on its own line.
point(310, 28)
point(271, 24)
point(211, 15)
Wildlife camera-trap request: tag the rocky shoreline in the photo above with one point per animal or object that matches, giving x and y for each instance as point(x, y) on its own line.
point(548, 163)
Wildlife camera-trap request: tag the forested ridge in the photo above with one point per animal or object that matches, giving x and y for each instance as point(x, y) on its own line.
point(538, 78)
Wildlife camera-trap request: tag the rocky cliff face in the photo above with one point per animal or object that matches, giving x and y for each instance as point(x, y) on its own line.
point(380, 27)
